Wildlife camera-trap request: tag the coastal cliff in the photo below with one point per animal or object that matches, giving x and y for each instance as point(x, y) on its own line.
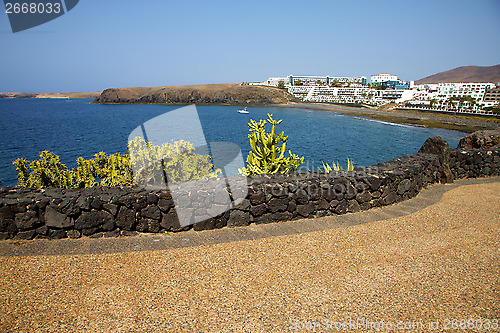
point(230, 94)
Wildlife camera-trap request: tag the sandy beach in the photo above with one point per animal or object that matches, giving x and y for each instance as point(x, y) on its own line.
point(463, 123)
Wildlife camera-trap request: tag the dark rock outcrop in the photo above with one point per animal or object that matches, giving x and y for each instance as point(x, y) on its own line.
point(480, 139)
point(438, 146)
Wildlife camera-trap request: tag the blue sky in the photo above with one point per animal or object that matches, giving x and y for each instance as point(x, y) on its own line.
point(121, 43)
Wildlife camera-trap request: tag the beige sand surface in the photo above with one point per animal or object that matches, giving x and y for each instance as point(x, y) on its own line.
point(440, 263)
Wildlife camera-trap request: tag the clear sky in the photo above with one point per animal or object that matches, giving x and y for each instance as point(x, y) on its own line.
point(122, 43)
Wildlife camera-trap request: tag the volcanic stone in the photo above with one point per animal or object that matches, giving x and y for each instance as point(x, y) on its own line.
point(152, 212)
point(26, 220)
point(126, 218)
point(238, 218)
point(93, 219)
point(57, 220)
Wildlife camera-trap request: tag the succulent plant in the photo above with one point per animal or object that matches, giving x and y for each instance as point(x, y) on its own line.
point(178, 161)
point(268, 150)
point(336, 166)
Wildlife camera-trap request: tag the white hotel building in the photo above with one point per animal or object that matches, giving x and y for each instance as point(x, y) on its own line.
point(353, 95)
point(474, 90)
point(383, 77)
point(331, 89)
point(330, 94)
point(293, 80)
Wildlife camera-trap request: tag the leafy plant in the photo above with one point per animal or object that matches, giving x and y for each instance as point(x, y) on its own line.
point(177, 162)
point(151, 163)
point(336, 167)
point(103, 170)
point(48, 171)
point(268, 150)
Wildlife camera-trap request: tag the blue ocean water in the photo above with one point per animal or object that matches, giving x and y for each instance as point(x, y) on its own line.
point(75, 127)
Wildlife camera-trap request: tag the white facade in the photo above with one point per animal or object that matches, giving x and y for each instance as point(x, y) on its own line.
point(311, 80)
point(471, 89)
point(352, 94)
point(274, 81)
point(489, 104)
point(396, 95)
point(331, 94)
point(383, 77)
point(334, 89)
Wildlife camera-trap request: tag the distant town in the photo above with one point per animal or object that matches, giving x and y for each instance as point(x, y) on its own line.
point(384, 88)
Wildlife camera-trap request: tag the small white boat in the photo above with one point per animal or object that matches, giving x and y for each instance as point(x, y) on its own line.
point(244, 110)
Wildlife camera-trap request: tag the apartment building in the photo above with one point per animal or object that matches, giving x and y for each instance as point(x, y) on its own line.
point(475, 90)
point(311, 80)
point(331, 94)
point(491, 97)
point(383, 77)
point(492, 94)
point(396, 95)
point(335, 89)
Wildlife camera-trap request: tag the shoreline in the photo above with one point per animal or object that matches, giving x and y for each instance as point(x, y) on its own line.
point(462, 123)
point(466, 123)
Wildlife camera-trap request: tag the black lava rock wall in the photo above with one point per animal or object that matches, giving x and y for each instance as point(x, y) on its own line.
point(120, 211)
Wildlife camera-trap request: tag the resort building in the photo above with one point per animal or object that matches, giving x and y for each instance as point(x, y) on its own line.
point(491, 97)
point(393, 95)
point(329, 94)
point(337, 94)
point(383, 77)
point(302, 80)
point(399, 85)
point(460, 90)
point(459, 97)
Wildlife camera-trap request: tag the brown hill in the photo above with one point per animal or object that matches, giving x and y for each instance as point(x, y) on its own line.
point(230, 93)
point(465, 74)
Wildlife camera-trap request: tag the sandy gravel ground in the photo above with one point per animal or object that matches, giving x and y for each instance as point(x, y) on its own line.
point(440, 263)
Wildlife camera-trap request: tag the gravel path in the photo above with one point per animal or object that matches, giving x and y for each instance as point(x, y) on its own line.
point(440, 263)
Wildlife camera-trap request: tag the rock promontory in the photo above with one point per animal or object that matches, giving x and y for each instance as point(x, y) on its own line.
point(230, 94)
point(481, 139)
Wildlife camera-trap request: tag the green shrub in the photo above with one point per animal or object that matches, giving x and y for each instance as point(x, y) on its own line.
point(267, 155)
point(178, 162)
point(48, 171)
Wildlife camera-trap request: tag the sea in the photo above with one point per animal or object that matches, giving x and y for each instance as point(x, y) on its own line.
point(72, 128)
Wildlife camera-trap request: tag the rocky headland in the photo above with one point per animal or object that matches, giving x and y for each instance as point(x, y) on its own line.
point(222, 94)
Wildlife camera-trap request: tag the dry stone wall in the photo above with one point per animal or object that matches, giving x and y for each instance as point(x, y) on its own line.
point(121, 211)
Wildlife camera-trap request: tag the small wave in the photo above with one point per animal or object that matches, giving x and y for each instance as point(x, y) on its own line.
point(389, 123)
